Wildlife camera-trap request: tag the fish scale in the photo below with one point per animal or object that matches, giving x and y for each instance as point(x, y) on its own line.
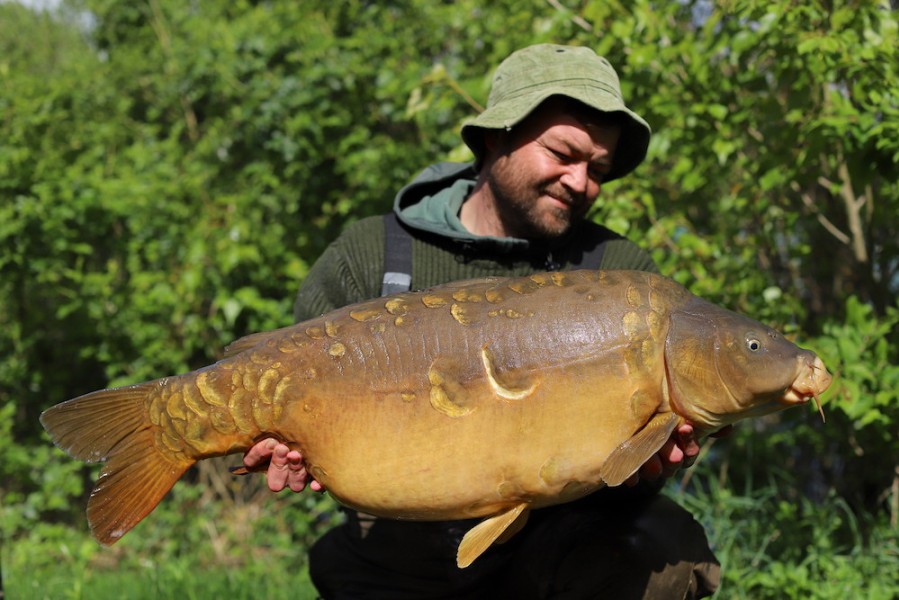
point(485, 398)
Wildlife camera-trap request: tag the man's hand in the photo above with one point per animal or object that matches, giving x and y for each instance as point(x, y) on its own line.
point(286, 468)
point(679, 452)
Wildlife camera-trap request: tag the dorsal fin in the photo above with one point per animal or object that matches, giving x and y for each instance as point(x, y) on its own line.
point(251, 340)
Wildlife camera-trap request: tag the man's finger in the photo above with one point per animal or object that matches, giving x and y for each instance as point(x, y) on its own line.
point(277, 469)
point(688, 444)
point(671, 457)
point(297, 475)
point(259, 453)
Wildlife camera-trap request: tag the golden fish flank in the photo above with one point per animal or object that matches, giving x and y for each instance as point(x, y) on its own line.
point(365, 315)
point(541, 279)
point(289, 344)
point(656, 325)
point(447, 396)
point(509, 313)
point(525, 286)
point(495, 295)
point(503, 389)
point(211, 384)
point(332, 329)
point(398, 307)
point(547, 387)
point(461, 314)
point(560, 279)
point(466, 296)
point(633, 296)
point(269, 380)
point(643, 404)
point(552, 472)
point(659, 302)
point(434, 301)
point(509, 490)
point(631, 325)
point(193, 400)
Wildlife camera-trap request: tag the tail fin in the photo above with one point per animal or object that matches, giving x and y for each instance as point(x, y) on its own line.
point(113, 426)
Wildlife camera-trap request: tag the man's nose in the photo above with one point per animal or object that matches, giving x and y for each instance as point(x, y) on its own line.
point(577, 178)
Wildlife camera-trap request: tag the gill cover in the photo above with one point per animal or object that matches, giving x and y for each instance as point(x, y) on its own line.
point(723, 367)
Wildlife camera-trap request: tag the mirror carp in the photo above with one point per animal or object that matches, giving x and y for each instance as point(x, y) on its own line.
point(483, 398)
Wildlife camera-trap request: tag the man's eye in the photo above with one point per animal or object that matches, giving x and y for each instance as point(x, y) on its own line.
point(597, 175)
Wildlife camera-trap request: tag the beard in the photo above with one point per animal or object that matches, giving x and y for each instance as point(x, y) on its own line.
point(525, 205)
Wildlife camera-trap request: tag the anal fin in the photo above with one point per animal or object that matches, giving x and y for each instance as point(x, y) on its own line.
point(628, 457)
point(488, 531)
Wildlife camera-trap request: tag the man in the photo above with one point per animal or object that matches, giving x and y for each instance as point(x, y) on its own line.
point(555, 129)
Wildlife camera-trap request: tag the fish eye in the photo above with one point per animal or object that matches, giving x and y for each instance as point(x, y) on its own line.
point(754, 345)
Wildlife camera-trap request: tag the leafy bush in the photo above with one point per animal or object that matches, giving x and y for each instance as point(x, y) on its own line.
point(214, 536)
point(169, 170)
point(773, 543)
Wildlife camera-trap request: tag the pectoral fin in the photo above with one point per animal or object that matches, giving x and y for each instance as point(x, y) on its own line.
point(482, 535)
point(627, 458)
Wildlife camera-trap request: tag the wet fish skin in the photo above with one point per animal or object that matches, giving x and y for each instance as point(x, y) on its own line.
point(480, 398)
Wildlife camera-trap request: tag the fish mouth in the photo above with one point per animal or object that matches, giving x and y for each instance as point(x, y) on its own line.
point(810, 384)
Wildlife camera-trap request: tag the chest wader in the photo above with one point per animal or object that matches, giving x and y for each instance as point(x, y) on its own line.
point(398, 257)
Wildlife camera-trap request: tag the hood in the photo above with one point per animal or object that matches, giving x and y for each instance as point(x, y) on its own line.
point(431, 204)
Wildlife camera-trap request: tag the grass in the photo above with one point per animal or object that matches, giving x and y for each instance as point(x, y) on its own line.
point(221, 537)
point(57, 562)
point(154, 581)
point(775, 542)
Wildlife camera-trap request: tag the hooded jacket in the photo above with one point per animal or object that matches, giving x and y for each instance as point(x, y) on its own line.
point(350, 270)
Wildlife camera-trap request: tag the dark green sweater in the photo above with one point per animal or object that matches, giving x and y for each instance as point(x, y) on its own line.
point(351, 268)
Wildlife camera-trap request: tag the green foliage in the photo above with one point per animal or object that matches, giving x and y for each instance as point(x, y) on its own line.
point(866, 362)
point(85, 575)
point(766, 157)
point(169, 171)
point(771, 547)
point(245, 545)
point(863, 353)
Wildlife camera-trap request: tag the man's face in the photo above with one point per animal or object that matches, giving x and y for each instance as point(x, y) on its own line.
point(547, 172)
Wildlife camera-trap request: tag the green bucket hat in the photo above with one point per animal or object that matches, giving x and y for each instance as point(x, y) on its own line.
point(531, 75)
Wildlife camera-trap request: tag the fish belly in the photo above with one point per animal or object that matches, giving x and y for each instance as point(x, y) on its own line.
point(481, 420)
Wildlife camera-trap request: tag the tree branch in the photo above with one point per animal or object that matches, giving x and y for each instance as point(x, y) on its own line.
point(823, 220)
point(854, 207)
point(579, 21)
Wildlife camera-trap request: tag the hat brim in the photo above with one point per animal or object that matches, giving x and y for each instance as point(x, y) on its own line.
point(632, 143)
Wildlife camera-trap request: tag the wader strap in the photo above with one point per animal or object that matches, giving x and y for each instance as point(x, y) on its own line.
point(397, 257)
point(593, 258)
